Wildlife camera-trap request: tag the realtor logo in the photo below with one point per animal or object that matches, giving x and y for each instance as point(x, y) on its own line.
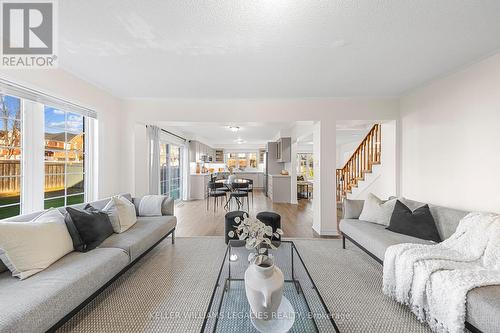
point(28, 31)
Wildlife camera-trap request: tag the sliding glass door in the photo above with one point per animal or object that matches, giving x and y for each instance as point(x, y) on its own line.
point(170, 170)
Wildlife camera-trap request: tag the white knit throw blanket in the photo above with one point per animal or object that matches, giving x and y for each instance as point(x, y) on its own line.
point(433, 280)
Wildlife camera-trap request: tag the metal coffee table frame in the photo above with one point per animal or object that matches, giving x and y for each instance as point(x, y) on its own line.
point(296, 283)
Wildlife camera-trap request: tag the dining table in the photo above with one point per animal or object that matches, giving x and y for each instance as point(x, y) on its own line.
point(229, 184)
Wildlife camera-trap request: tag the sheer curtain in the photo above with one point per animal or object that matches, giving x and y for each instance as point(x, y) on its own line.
point(185, 172)
point(154, 158)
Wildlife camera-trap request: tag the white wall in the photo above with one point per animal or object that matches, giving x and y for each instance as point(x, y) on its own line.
point(450, 139)
point(112, 175)
point(344, 152)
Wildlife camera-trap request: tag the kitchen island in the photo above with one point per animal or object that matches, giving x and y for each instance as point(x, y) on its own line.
point(279, 188)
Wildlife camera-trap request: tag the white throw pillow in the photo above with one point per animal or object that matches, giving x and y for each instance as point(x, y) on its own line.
point(27, 248)
point(121, 213)
point(371, 209)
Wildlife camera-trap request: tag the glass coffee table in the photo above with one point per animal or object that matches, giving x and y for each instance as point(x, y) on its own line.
point(229, 311)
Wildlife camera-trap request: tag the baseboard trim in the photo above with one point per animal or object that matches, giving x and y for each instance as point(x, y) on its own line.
point(468, 325)
point(107, 284)
point(326, 232)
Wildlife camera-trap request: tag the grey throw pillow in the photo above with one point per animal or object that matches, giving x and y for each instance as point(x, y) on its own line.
point(164, 208)
point(385, 212)
point(378, 211)
point(387, 208)
point(352, 208)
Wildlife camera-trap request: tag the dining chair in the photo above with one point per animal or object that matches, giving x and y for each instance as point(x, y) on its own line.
point(238, 194)
point(213, 192)
point(249, 189)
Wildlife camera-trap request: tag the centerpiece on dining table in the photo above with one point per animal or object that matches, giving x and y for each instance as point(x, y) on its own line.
point(263, 279)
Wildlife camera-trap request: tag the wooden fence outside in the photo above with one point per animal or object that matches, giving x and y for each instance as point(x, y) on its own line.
point(11, 170)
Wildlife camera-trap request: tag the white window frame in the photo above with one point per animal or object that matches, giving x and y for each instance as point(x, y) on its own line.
point(169, 143)
point(33, 143)
point(33, 156)
point(67, 174)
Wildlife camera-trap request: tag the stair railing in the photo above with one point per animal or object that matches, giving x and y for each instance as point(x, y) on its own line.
point(360, 163)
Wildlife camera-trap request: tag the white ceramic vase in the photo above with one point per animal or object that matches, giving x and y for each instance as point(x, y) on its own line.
point(231, 178)
point(264, 289)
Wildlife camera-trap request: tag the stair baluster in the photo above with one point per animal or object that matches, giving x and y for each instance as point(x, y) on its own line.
point(360, 163)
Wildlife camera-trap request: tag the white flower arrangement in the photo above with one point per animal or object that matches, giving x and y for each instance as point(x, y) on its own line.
point(256, 235)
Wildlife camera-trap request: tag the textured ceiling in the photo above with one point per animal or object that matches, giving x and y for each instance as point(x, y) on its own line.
point(272, 49)
point(218, 135)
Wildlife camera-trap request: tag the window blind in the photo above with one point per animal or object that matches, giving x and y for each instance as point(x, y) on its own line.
point(10, 88)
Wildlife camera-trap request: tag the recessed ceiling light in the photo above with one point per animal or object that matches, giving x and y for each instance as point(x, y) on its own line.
point(233, 128)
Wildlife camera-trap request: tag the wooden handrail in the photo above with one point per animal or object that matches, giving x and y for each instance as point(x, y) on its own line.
point(360, 163)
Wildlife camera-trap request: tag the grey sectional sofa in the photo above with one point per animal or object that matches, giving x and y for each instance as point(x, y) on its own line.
point(483, 304)
point(44, 301)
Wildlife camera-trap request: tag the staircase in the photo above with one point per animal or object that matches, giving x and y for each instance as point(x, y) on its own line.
point(360, 163)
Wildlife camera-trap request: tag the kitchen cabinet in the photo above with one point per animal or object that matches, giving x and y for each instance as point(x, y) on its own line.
point(279, 188)
point(262, 154)
point(219, 156)
point(198, 186)
point(256, 177)
point(198, 149)
point(284, 150)
point(260, 180)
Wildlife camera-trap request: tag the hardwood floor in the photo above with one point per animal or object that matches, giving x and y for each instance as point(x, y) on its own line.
point(193, 218)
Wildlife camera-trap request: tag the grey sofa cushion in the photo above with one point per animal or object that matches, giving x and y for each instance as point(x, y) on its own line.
point(351, 209)
point(374, 237)
point(483, 307)
point(37, 303)
point(142, 235)
point(167, 206)
point(98, 204)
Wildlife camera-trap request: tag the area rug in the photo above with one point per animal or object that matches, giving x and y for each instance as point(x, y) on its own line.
point(170, 288)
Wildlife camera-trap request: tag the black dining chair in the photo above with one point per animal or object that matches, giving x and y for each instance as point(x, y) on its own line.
point(239, 195)
point(249, 189)
point(214, 192)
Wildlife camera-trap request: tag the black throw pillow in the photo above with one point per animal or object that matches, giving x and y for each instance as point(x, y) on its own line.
point(88, 228)
point(418, 223)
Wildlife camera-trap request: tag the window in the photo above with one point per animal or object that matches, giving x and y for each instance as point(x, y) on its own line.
point(305, 165)
point(241, 160)
point(170, 170)
point(10, 156)
point(64, 158)
point(46, 151)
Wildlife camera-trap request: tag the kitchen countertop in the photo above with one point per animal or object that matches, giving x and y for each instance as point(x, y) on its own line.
point(248, 172)
point(283, 176)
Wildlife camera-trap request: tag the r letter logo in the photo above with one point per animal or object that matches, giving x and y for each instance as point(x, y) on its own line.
point(28, 32)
